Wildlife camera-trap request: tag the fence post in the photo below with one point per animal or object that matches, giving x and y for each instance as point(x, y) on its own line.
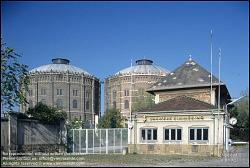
point(73, 141)
point(121, 140)
point(93, 141)
point(87, 141)
point(114, 140)
point(100, 139)
point(107, 141)
point(80, 141)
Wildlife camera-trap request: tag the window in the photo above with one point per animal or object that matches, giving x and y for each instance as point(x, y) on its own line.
point(172, 134)
point(114, 104)
point(87, 105)
point(74, 103)
point(74, 92)
point(114, 95)
point(87, 94)
point(59, 103)
point(126, 104)
point(149, 134)
point(198, 134)
point(30, 104)
point(30, 92)
point(43, 91)
point(126, 92)
point(59, 91)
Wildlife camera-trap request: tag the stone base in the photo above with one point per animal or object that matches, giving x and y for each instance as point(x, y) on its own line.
point(179, 149)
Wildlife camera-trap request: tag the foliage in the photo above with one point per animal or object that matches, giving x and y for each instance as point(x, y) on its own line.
point(142, 100)
point(241, 112)
point(111, 119)
point(14, 79)
point(75, 124)
point(46, 113)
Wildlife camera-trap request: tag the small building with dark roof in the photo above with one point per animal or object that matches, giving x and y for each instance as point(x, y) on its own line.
point(186, 118)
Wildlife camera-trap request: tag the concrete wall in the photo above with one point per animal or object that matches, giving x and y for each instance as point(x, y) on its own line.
point(26, 134)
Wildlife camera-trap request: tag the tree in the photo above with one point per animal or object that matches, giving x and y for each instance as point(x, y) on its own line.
point(14, 79)
point(46, 113)
point(241, 112)
point(111, 119)
point(142, 100)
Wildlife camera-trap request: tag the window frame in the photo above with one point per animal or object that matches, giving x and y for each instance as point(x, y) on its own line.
point(146, 131)
point(195, 134)
point(126, 102)
point(170, 134)
point(74, 103)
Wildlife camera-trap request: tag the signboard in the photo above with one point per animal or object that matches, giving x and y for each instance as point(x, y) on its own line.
point(172, 118)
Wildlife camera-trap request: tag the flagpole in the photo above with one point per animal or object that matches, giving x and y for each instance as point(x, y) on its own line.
point(130, 107)
point(219, 101)
point(211, 67)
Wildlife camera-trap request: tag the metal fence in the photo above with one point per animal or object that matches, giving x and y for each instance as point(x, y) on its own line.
point(94, 141)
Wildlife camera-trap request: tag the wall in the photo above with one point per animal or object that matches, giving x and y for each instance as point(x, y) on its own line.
point(202, 94)
point(27, 135)
point(178, 147)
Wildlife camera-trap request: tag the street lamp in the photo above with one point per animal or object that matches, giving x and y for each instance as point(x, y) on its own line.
point(227, 125)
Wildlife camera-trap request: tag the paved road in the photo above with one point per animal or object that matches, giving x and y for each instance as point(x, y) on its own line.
point(237, 157)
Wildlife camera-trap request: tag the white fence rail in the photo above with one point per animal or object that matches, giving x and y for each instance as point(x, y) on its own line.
point(94, 141)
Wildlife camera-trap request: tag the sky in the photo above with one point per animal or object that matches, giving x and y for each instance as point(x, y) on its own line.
point(103, 37)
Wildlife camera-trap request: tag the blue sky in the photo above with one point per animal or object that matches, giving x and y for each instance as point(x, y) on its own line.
point(103, 37)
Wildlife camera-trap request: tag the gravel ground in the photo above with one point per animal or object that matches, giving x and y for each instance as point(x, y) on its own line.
point(237, 157)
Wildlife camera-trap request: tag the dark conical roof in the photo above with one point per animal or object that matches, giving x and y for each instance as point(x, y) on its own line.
point(189, 74)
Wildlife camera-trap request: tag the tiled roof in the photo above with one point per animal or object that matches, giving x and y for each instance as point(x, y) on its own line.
point(189, 74)
point(180, 103)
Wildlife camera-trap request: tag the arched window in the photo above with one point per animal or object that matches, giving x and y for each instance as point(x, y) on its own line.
point(126, 104)
point(114, 104)
point(87, 105)
point(59, 103)
point(30, 104)
point(74, 103)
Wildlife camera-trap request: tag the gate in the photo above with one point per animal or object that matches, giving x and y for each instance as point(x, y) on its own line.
point(99, 141)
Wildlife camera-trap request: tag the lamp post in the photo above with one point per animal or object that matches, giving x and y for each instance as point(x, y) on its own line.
point(225, 123)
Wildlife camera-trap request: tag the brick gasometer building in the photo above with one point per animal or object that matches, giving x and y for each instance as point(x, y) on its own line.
point(118, 88)
point(66, 87)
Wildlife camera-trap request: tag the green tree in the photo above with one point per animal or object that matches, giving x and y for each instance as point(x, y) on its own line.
point(241, 112)
point(14, 79)
point(142, 100)
point(46, 113)
point(111, 119)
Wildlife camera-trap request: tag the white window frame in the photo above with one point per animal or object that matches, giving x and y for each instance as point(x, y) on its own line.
point(169, 134)
point(195, 134)
point(146, 140)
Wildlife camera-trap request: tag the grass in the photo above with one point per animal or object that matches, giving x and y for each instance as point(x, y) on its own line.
point(129, 159)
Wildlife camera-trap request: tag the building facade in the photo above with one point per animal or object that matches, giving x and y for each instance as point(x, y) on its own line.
point(66, 87)
point(187, 118)
point(123, 88)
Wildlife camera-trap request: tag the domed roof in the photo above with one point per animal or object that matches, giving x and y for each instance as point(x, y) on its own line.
point(144, 66)
point(59, 65)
